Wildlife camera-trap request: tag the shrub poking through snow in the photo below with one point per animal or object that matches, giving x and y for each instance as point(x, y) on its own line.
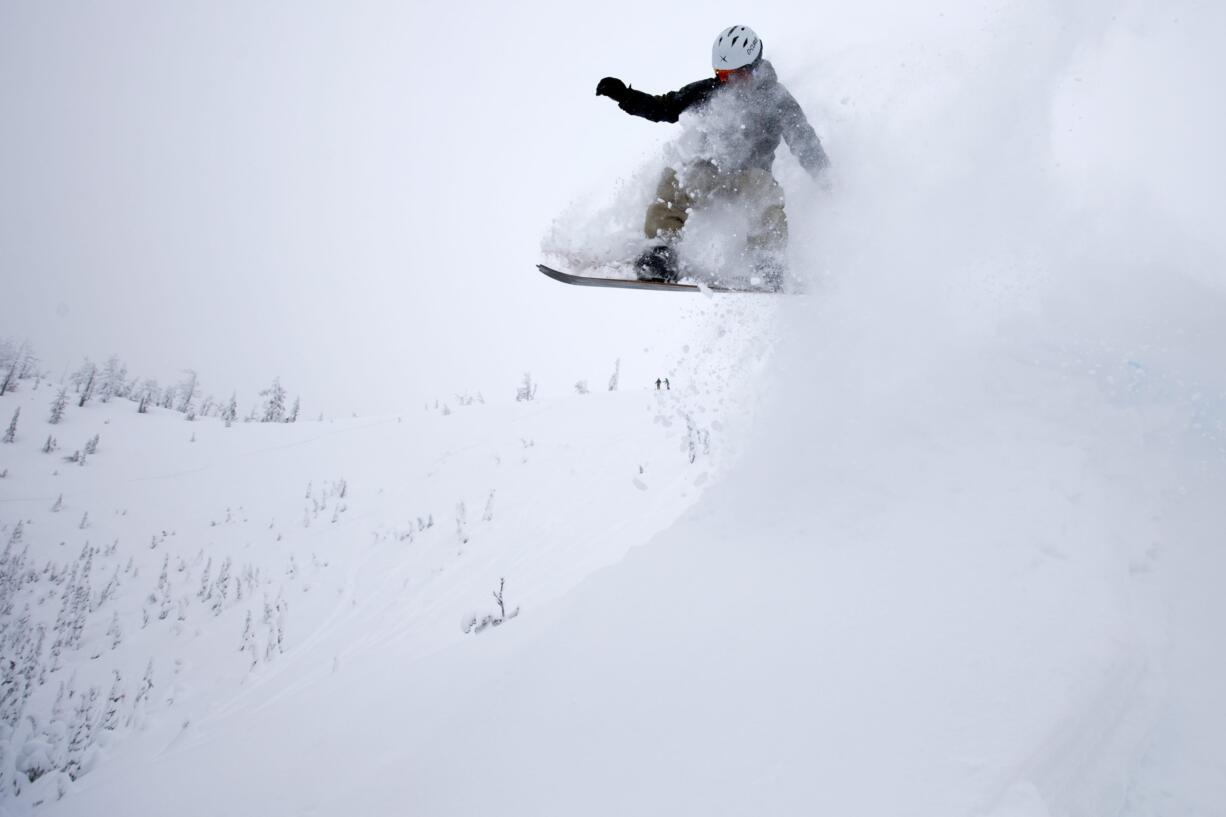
point(473, 624)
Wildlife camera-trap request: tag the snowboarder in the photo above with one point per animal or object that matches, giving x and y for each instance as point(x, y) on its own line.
point(741, 115)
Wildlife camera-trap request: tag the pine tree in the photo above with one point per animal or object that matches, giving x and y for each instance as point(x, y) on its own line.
point(150, 390)
point(114, 632)
point(230, 413)
point(114, 377)
point(293, 414)
point(203, 593)
point(189, 390)
point(282, 612)
point(57, 728)
point(613, 381)
point(88, 379)
point(57, 647)
point(58, 405)
point(80, 610)
point(112, 586)
point(50, 445)
point(82, 731)
point(163, 589)
point(526, 390)
point(110, 717)
point(221, 587)
point(146, 684)
point(248, 642)
point(11, 434)
point(9, 382)
point(274, 402)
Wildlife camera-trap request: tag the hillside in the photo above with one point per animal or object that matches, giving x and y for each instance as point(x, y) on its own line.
point(183, 574)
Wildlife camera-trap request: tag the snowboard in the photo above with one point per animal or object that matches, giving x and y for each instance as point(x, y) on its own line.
point(631, 283)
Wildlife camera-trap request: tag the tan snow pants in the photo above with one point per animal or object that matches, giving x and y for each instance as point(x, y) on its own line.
point(703, 181)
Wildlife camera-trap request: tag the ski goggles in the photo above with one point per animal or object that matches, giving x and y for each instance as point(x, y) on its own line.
point(723, 75)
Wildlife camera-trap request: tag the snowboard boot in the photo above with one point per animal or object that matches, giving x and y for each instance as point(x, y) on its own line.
point(658, 263)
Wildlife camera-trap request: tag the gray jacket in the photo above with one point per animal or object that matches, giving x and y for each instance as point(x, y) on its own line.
point(751, 119)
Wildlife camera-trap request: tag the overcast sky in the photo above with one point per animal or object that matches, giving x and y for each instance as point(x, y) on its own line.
point(352, 196)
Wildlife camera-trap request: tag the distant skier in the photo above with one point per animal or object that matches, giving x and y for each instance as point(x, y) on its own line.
point(743, 113)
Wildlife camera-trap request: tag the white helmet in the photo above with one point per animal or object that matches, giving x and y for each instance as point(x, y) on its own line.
point(734, 48)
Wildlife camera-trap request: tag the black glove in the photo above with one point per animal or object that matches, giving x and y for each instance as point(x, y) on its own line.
point(612, 87)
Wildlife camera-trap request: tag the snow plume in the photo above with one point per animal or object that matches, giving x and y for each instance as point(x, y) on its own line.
point(1006, 384)
point(974, 546)
point(594, 233)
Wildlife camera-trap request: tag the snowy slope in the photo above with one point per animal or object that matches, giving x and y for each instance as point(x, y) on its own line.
point(942, 536)
point(985, 586)
point(340, 539)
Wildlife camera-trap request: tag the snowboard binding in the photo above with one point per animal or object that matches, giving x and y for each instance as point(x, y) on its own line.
point(658, 263)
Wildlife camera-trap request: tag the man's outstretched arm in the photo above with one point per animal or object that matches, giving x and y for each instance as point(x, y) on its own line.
point(663, 108)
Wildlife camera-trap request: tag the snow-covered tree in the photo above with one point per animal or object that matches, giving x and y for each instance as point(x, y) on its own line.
point(114, 379)
point(147, 395)
point(11, 434)
point(274, 402)
point(110, 714)
point(221, 587)
point(617, 369)
point(86, 381)
point(146, 684)
point(270, 622)
point(112, 587)
point(248, 643)
point(189, 390)
point(461, 524)
point(163, 589)
point(91, 445)
point(58, 405)
point(282, 613)
point(203, 593)
point(581, 387)
point(526, 390)
point(293, 413)
point(114, 631)
point(82, 732)
point(9, 380)
point(15, 365)
point(230, 413)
